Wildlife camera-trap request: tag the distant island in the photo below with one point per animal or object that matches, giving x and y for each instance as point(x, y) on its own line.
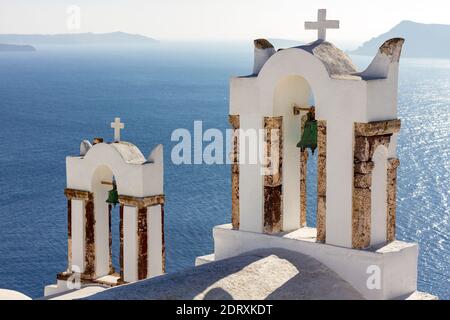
point(16, 48)
point(112, 38)
point(422, 40)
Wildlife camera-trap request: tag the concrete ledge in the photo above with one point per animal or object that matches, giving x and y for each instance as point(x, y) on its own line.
point(204, 259)
point(387, 272)
point(74, 294)
point(418, 295)
point(60, 287)
point(64, 283)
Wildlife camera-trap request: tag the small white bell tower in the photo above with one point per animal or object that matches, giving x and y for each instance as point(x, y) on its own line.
point(136, 184)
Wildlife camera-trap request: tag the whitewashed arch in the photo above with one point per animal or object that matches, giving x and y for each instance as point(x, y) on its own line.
point(288, 63)
point(135, 175)
point(102, 247)
point(289, 91)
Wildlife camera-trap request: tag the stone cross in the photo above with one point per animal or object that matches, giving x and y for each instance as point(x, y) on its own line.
point(117, 126)
point(322, 24)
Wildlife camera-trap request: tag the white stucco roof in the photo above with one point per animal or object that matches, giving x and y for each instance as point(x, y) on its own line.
point(6, 294)
point(129, 152)
point(336, 61)
point(262, 274)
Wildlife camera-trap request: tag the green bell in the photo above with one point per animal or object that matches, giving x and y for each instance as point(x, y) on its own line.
point(309, 136)
point(113, 196)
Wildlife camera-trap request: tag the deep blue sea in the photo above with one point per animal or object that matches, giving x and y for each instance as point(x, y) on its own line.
point(52, 99)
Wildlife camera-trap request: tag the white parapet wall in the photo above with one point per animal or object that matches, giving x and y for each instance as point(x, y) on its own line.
point(388, 272)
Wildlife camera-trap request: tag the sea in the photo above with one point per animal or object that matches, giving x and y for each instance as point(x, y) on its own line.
point(52, 99)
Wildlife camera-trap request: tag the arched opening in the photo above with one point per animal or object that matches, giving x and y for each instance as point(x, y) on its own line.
point(293, 98)
point(107, 229)
point(378, 213)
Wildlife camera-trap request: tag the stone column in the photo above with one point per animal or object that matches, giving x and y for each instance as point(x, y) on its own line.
point(89, 254)
point(393, 164)
point(111, 267)
point(235, 124)
point(163, 240)
point(303, 193)
point(121, 279)
point(368, 136)
point(273, 198)
point(321, 180)
point(142, 243)
point(69, 234)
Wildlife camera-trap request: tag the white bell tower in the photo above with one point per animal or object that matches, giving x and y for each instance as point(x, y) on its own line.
point(356, 121)
point(136, 184)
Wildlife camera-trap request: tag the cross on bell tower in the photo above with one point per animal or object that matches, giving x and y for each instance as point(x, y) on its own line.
point(117, 126)
point(322, 24)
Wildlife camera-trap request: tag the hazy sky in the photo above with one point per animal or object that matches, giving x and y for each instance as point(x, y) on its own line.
point(220, 19)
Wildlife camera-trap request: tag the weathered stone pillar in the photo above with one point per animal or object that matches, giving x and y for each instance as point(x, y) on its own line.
point(303, 193)
point(142, 243)
point(273, 198)
point(234, 121)
point(69, 234)
point(111, 267)
point(121, 244)
point(368, 136)
point(361, 207)
point(89, 257)
point(393, 164)
point(321, 180)
point(163, 240)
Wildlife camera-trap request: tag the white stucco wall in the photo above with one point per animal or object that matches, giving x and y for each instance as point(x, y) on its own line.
point(140, 179)
point(244, 95)
point(250, 180)
point(130, 244)
point(396, 262)
point(154, 241)
point(339, 182)
point(78, 221)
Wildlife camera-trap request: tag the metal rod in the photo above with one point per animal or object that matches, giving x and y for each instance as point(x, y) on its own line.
point(297, 109)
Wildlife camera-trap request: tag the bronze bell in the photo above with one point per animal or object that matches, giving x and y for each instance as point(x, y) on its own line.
point(309, 136)
point(113, 196)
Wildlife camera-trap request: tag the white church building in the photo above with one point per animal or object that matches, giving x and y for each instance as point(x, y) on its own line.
point(267, 251)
